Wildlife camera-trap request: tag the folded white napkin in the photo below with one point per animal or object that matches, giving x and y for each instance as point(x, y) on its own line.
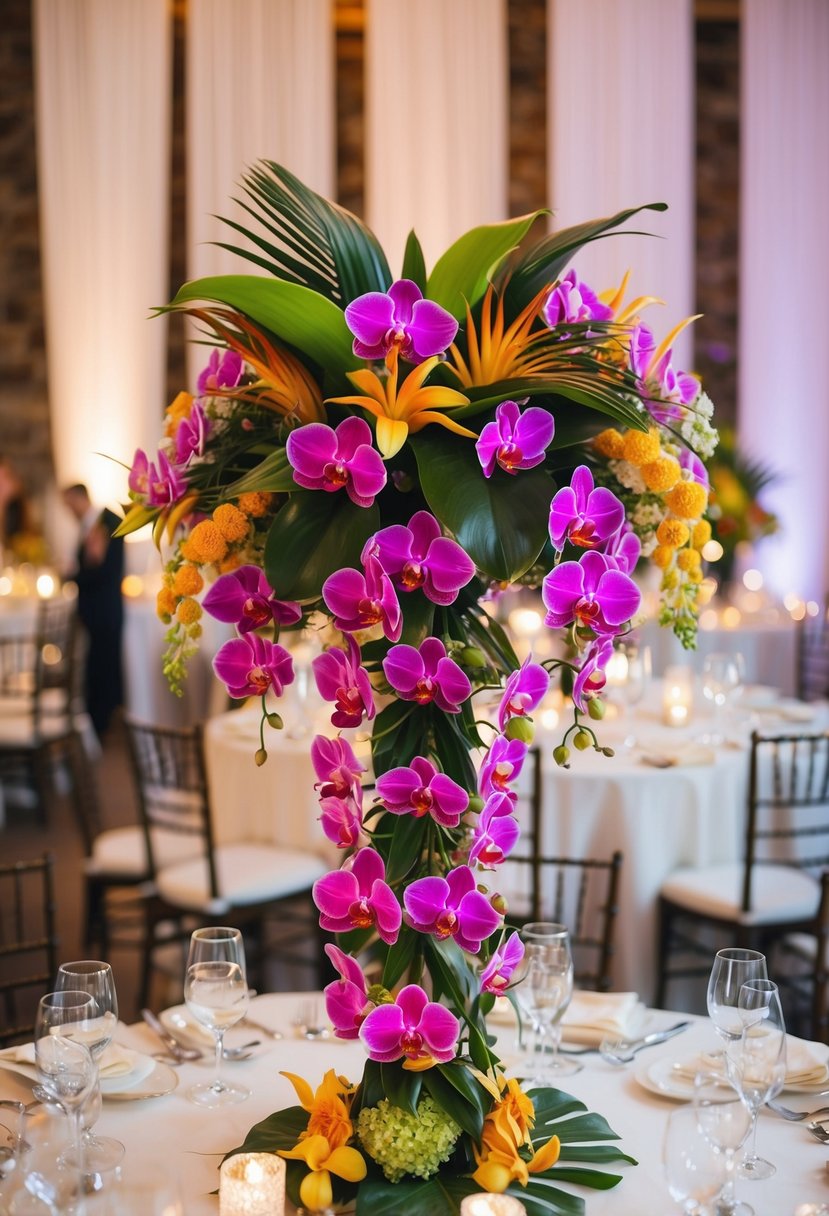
point(591, 1016)
point(683, 755)
point(117, 1061)
point(807, 1064)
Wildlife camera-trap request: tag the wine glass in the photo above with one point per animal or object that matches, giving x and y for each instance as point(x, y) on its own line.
point(548, 989)
point(64, 1028)
point(757, 1062)
point(694, 1169)
point(725, 1121)
point(731, 969)
point(722, 679)
point(101, 1153)
point(216, 993)
point(636, 682)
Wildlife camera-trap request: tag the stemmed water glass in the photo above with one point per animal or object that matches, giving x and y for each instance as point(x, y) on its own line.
point(732, 968)
point(694, 1169)
point(64, 1031)
point(216, 993)
point(757, 1062)
point(725, 1121)
point(545, 989)
point(101, 1153)
point(722, 679)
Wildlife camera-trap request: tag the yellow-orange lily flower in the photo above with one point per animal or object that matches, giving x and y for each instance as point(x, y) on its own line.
point(497, 1168)
point(178, 409)
point(410, 408)
point(329, 1107)
point(315, 1190)
point(500, 351)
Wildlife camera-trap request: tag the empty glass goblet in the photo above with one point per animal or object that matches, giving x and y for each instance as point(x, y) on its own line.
point(731, 969)
point(216, 993)
point(722, 679)
point(694, 1168)
point(544, 988)
point(757, 1062)
point(724, 1120)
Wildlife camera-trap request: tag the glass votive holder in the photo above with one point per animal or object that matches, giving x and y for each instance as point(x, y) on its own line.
point(677, 696)
point(486, 1204)
point(252, 1184)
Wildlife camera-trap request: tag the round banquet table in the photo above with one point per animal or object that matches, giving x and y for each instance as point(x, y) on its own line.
point(768, 647)
point(171, 1135)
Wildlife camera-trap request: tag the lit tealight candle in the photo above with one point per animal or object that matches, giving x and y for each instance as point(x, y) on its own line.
point(616, 670)
point(252, 1184)
point(492, 1205)
point(677, 696)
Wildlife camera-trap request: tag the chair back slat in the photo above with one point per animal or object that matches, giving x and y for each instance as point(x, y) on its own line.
point(813, 657)
point(28, 943)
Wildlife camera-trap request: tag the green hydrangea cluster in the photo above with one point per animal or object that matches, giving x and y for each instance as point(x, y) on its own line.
point(402, 1143)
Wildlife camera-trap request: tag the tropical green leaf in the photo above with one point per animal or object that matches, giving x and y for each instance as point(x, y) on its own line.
point(316, 243)
point(418, 617)
point(467, 1112)
point(596, 1153)
point(395, 735)
point(398, 960)
point(414, 267)
point(542, 1199)
point(280, 1130)
point(296, 314)
point(598, 1179)
point(273, 475)
point(438, 1196)
point(312, 536)
point(460, 275)
point(501, 522)
point(573, 384)
point(402, 1088)
point(407, 843)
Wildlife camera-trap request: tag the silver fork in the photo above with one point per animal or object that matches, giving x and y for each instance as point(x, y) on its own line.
point(819, 1132)
point(796, 1116)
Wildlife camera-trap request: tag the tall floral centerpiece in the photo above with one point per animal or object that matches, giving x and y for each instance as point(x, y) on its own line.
point(385, 455)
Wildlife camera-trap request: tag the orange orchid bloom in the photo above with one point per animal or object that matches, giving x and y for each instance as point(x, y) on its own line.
point(328, 1108)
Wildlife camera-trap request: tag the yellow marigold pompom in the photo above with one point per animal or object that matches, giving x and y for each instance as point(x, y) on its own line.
point(255, 504)
point(688, 559)
point(695, 576)
point(230, 521)
point(187, 581)
point(165, 602)
point(670, 579)
point(701, 534)
point(662, 556)
point(177, 411)
point(687, 500)
point(672, 532)
point(640, 447)
point(194, 631)
point(662, 474)
point(205, 543)
point(609, 443)
point(189, 611)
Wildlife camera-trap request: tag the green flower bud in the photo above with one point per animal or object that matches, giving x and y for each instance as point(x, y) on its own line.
point(561, 755)
point(608, 751)
point(595, 709)
point(520, 728)
point(476, 803)
point(260, 757)
point(472, 656)
point(582, 740)
point(500, 904)
point(275, 721)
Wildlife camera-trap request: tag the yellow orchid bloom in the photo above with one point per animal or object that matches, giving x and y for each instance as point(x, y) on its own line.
point(315, 1190)
point(410, 408)
point(497, 1168)
point(178, 409)
point(328, 1108)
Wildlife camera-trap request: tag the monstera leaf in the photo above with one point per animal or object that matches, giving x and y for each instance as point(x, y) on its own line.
point(312, 536)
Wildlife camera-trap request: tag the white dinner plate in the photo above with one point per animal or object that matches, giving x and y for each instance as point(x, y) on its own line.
point(181, 1024)
point(667, 1078)
point(141, 1069)
point(159, 1081)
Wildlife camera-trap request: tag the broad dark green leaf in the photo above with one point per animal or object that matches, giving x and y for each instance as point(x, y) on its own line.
point(583, 1127)
point(542, 1199)
point(407, 843)
point(296, 314)
point(371, 1087)
point(395, 735)
point(280, 1130)
point(273, 475)
point(402, 1088)
point(312, 536)
point(574, 384)
point(596, 1153)
point(414, 267)
point(418, 617)
point(598, 1179)
point(438, 1196)
point(466, 1114)
point(461, 274)
point(500, 522)
point(398, 960)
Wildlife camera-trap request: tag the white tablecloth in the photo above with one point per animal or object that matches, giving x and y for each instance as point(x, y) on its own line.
point(171, 1133)
point(769, 649)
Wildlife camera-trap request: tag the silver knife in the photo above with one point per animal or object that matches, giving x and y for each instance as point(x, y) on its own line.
point(648, 1040)
point(170, 1042)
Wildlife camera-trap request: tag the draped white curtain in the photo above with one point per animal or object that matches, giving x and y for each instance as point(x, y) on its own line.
point(103, 131)
point(784, 266)
point(436, 78)
point(620, 99)
point(260, 86)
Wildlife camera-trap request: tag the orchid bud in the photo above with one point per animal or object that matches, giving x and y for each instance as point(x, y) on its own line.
point(561, 755)
point(608, 751)
point(582, 740)
point(275, 721)
point(596, 709)
point(476, 804)
point(260, 757)
point(522, 729)
point(499, 903)
point(472, 656)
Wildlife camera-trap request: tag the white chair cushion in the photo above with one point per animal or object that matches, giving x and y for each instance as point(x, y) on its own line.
point(779, 893)
point(247, 874)
point(124, 851)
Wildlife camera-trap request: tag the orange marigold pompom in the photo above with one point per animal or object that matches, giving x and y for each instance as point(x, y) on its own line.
point(189, 611)
point(701, 534)
point(662, 556)
point(230, 563)
point(187, 581)
point(672, 532)
point(662, 474)
point(688, 559)
point(687, 500)
point(205, 543)
point(256, 504)
point(165, 602)
point(230, 521)
point(695, 576)
point(609, 443)
point(641, 447)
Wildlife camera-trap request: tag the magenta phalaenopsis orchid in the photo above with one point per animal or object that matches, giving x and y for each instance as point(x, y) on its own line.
point(497, 974)
point(419, 789)
point(691, 463)
point(251, 666)
point(524, 691)
point(419, 556)
point(191, 434)
point(341, 678)
point(413, 1026)
point(341, 821)
point(591, 594)
point(224, 370)
point(346, 999)
point(357, 897)
point(665, 391)
point(360, 601)
point(399, 317)
point(157, 484)
point(245, 598)
point(337, 768)
point(573, 301)
point(583, 515)
point(590, 678)
point(496, 832)
point(326, 459)
point(623, 550)
point(503, 764)
point(427, 675)
point(515, 439)
point(451, 907)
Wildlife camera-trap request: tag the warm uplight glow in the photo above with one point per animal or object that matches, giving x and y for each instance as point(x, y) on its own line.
point(45, 586)
point(709, 619)
point(812, 608)
point(525, 622)
point(790, 601)
point(549, 719)
point(132, 586)
point(5, 585)
point(799, 611)
point(712, 551)
point(752, 580)
point(731, 617)
point(707, 591)
point(677, 696)
point(617, 669)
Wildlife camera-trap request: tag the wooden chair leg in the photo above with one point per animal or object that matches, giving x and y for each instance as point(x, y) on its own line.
point(664, 932)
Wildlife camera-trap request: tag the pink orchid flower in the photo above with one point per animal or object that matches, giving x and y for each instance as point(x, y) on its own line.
point(414, 1027)
point(357, 897)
